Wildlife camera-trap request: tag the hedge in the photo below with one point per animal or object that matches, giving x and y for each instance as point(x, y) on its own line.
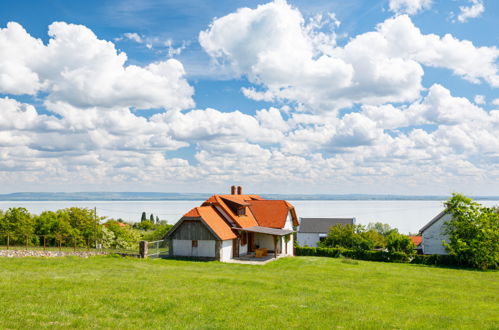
point(353, 254)
point(384, 256)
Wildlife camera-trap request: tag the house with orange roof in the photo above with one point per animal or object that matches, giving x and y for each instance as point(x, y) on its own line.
point(231, 226)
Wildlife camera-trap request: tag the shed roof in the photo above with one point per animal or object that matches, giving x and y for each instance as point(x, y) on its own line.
point(322, 225)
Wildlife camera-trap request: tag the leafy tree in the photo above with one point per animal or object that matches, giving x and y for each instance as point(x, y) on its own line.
point(381, 228)
point(159, 233)
point(85, 223)
point(396, 242)
point(350, 237)
point(151, 218)
point(373, 239)
point(144, 225)
point(157, 219)
point(143, 217)
point(473, 233)
point(18, 223)
point(124, 236)
point(55, 226)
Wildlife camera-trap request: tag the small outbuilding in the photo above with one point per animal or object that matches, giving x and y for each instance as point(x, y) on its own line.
point(433, 234)
point(313, 230)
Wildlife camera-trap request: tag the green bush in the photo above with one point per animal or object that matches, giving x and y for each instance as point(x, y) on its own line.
point(369, 255)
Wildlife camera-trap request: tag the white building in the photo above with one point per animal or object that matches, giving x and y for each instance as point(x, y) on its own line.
point(230, 226)
point(313, 230)
point(433, 234)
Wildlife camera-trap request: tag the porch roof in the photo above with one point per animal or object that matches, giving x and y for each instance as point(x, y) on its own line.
point(266, 230)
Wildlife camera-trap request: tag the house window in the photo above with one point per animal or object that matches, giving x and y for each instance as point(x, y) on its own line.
point(194, 243)
point(241, 211)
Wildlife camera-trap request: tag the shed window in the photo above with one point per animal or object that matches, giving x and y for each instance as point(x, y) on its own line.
point(195, 243)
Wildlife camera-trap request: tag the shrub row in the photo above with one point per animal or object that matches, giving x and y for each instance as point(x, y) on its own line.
point(369, 255)
point(384, 256)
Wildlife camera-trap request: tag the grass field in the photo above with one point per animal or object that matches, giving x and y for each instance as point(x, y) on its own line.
point(301, 292)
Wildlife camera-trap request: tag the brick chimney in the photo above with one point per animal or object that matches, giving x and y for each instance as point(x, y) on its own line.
point(239, 190)
point(233, 190)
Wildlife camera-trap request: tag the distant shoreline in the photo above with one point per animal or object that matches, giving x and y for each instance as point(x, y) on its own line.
point(153, 196)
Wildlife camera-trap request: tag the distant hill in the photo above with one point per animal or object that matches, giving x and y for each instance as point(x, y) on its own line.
point(158, 196)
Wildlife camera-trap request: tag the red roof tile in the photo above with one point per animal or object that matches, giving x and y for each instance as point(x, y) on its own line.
point(270, 213)
point(215, 221)
point(416, 239)
point(193, 213)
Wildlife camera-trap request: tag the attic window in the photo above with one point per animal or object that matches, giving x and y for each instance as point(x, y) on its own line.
point(241, 211)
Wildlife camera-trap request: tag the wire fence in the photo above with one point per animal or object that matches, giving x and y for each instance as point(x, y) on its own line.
point(157, 249)
point(9, 241)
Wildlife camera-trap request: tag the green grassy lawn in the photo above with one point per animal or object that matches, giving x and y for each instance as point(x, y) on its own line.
point(300, 292)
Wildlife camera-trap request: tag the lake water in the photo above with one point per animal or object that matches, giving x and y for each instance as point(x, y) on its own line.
point(407, 216)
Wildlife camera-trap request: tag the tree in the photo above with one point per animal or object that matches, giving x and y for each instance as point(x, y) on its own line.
point(143, 217)
point(350, 237)
point(473, 233)
point(85, 223)
point(381, 228)
point(159, 233)
point(157, 219)
point(396, 242)
point(18, 224)
point(54, 226)
point(151, 218)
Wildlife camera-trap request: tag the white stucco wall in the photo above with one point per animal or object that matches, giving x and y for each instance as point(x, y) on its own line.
point(264, 241)
point(289, 222)
point(243, 249)
point(226, 250)
point(307, 239)
point(183, 248)
point(289, 244)
point(433, 237)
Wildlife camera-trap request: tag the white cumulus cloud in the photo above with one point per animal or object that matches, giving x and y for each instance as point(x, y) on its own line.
point(78, 68)
point(410, 7)
point(473, 11)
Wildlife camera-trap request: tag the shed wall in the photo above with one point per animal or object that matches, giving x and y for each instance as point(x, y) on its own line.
point(192, 230)
point(184, 248)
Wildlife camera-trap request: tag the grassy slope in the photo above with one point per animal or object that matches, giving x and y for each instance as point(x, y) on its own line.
point(293, 292)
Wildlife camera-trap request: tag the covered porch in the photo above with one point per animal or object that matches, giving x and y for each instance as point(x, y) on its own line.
point(266, 243)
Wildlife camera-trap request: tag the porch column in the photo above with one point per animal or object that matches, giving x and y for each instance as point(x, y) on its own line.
point(275, 246)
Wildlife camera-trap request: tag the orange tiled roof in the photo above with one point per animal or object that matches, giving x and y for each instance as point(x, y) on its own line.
point(193, 213)
point(416, 239)
point(243, 221)
point(270, 213)
point(215, 221)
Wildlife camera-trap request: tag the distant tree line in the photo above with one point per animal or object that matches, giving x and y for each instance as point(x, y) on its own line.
point(75, 226)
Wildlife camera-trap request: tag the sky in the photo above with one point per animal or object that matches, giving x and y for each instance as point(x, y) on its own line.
point(325, 97)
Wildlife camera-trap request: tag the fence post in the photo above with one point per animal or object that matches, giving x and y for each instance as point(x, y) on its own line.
point(143, 249)
point(8, 241)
